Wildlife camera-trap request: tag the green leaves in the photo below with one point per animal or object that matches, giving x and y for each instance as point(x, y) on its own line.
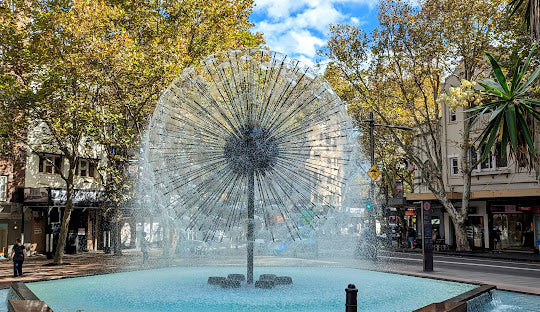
point(511, 111)
point(530, 11)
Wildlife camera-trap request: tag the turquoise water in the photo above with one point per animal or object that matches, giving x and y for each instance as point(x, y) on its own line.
point(505, 301)
point(3, 300)
point(186, 289)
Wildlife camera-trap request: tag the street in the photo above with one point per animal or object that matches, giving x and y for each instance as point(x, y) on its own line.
point(511, 275)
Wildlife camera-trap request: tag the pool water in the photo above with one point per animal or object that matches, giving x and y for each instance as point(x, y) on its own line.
point(505, 301)
point(186, 289)
point(3, 300)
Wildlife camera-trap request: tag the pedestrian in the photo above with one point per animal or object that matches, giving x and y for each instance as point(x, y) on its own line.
point(399, 235)
point(497, 243)
point(411, 236)
point(17, 254)
point(145, 248)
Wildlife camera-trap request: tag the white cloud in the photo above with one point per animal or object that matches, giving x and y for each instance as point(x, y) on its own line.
point(298, 28)
point(309, 62)
point(307, 43)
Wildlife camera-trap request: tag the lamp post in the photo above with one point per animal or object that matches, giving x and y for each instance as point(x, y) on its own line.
point(372, 125)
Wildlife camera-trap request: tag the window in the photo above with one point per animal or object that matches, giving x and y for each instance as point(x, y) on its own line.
point(487, 163)
point(500, 159)
point(494, 160)
point(454, 167)
point(86, 168)
point(49, 163)
point(452, 116)
point(3, 188)
point(83, 168)
point(471, 155)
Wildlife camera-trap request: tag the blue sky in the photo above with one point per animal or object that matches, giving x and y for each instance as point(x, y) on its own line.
point(299, 28)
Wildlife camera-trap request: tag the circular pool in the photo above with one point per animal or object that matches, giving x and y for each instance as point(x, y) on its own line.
point(186, 289)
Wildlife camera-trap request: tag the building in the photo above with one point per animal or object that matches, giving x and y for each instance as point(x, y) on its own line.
point(11, 209)
point(34, 198)
point(503, 192)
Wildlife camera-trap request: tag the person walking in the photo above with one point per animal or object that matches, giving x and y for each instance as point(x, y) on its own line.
point(411, 236)
point(145, 248)
point(497, 242)
point(17, 254)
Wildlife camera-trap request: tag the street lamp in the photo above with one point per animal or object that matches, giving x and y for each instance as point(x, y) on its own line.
point(372, 126)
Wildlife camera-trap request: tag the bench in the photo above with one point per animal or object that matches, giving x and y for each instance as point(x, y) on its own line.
point(440, 247)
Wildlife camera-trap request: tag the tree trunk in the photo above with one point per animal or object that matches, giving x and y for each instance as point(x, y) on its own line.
point(458, 218)
point(166, 239)
point(59, 254)
point(117, 237)
point(133, 229)
point(462, 243)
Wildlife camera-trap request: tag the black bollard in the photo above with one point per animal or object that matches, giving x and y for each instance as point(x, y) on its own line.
point(350, 303)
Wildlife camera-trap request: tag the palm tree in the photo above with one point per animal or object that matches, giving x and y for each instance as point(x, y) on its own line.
point(512, 112)
point(532, 14)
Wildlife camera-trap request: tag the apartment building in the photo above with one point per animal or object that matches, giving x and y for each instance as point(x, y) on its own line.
point(503, 192)
point(11, 210)
point(34, 196)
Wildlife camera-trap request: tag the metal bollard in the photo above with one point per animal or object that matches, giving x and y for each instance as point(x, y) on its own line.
point(350, 303)
point(49, 245)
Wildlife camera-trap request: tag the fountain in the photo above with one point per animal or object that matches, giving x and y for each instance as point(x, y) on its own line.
point(244, 135)
point(249, 136)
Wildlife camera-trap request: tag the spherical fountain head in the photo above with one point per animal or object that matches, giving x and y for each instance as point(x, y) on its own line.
point(252, 148)
point(250, 129)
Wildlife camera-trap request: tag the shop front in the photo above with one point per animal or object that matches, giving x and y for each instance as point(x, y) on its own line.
point(82, 229)
point(517, 224)
point(45, 207)
point(36, 204)
point(536, 214)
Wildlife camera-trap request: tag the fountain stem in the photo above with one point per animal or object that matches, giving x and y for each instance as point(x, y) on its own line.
point(250, 225)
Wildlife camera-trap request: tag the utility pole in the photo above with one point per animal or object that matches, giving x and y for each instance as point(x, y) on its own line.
point(374, 173)
point(372, 185)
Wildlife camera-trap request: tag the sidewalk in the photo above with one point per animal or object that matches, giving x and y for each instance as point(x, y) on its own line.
point(505, 255)
point(39, 268)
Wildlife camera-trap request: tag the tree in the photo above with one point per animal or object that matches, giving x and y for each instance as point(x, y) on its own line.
point(91, 72)
point(531, 14)
point(164, 37)
point(398, 71)
point(390, 158)
point(48, 89)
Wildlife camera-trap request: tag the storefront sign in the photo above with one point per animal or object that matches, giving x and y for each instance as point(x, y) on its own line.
point(37, 230)
point(410, 213)
point(536, 209)
point(81, 198)
point(36, 195)
point(525, 208)
point(81, 231)
point(509, 208)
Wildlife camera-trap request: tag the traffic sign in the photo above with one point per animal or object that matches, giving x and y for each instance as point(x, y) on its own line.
point(373, 173)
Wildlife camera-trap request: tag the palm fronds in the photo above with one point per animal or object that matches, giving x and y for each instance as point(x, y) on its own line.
point(511, 111)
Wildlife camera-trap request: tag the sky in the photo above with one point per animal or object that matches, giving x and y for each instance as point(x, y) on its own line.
point(299, 28)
